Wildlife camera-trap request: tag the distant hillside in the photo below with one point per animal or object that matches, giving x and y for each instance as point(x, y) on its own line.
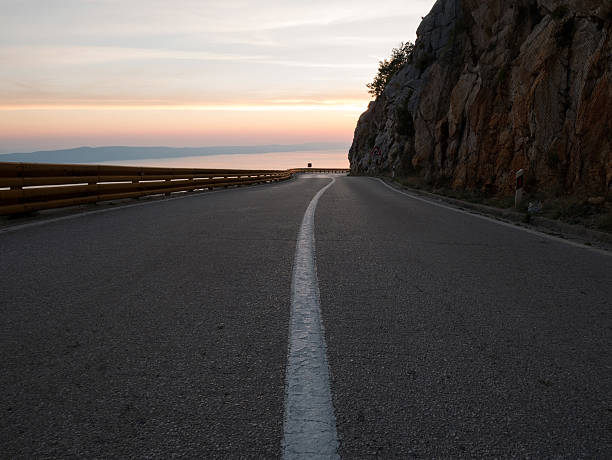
point(99, 154)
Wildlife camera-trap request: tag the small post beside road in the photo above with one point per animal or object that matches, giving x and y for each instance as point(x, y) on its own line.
point(519, 188)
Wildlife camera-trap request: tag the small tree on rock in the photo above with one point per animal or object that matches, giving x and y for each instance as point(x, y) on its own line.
point(389, 67)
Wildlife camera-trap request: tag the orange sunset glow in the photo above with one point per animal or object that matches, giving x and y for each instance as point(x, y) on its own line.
point(190, 73)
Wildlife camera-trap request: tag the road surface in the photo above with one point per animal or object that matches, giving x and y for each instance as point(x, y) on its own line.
point(162, 329)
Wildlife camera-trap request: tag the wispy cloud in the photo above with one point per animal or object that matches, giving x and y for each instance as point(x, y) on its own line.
point(61, 55)
point(288, 105)
point(83, 55)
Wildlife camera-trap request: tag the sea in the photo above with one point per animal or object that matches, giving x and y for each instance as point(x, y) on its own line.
point(276, 160)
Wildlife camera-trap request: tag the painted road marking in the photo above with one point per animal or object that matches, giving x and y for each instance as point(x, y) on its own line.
point(309, 429)
point(498, 222)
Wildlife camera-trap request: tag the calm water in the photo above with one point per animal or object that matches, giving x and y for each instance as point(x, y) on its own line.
point(276, 160)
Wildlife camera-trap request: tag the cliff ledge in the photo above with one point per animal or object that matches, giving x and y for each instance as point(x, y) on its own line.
point(496, 86)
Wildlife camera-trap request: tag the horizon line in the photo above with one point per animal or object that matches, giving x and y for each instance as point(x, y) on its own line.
point(350, 105)
point(320, 145)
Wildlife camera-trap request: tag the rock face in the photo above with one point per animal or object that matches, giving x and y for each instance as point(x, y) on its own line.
point(496, 86)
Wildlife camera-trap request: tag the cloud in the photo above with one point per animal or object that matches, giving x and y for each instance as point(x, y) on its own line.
point(280, 105)
point(195, 56)
point(61, 55)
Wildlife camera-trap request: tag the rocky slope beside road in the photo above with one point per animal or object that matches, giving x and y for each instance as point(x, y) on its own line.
point(496, 86)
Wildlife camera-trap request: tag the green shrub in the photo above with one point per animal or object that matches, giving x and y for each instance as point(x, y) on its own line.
point(389, 67)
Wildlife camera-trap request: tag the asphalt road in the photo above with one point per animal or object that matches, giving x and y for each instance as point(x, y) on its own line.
point(161, 330)
point(451, 336)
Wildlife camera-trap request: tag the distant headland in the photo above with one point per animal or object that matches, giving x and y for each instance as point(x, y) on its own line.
point(118, 153)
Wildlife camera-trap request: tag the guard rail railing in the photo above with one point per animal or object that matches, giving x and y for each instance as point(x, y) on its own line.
point(27, 187)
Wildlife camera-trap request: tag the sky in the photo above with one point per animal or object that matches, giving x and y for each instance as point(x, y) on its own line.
point(191, 72)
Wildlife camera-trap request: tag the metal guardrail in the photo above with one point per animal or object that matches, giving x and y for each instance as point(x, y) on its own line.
point(26, 187)
point(320, 170)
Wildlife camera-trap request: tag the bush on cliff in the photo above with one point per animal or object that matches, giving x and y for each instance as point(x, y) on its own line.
point(389, 67)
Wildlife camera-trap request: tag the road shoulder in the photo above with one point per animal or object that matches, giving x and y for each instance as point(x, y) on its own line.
point(574, 233)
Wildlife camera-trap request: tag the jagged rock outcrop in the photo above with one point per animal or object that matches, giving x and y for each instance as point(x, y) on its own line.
point(496, 86)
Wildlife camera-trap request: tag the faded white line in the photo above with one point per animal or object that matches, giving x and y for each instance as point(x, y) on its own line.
point(498, 222)
point(309, 429)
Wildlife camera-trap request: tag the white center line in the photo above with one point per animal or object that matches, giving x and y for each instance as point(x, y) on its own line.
point(309, 424)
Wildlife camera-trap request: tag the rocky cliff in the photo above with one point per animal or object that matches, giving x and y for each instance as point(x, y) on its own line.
point(496, 86)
